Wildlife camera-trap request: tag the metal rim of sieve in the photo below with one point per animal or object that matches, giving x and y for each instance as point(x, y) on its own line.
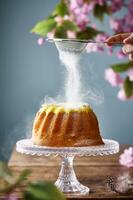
point(73, 45)
point(76, 45)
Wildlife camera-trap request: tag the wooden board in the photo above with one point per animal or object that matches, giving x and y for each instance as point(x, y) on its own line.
point(91, 171)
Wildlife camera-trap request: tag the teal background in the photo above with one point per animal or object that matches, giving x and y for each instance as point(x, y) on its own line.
point(28, 72)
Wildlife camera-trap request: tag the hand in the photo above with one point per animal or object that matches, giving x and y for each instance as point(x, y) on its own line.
point(127, 39)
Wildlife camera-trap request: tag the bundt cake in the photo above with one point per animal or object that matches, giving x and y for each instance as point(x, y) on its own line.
point(58, 125)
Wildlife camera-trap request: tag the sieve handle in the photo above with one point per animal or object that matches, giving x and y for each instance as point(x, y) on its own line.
point(84, 41)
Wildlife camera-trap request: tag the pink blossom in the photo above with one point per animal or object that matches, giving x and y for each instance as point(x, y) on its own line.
point(11, 196)
point(116, 5)
point(80, 11)
point(59, 20)
point(120, 54)
point(80, 2)
point(51, 34)
point(113, 78)
point(128, 22)
point(123, 183)
point(40, 41)
point(126, 158)
point(94, 47)
point(117, 24)
point(130, 5)
point(121, 95)
point(77, 11)
point(91, 47)
point(82, 21)
point(87, 8)
point(73, 5)
point(101, 37)
point(71, 34)
point(130, 74)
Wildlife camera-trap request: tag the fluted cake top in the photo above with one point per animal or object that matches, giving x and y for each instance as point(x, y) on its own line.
point(65, 107)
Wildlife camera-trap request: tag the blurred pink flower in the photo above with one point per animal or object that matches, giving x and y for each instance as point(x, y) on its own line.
point(71, 34)
point(130, 74)
point(126, 158)
point(82, 21)
point(101, 37)
point(91, 47)
point(128, 22)
point(94, 47)
point(120, 54)
point(40, 41)
point(51, 34)
point(130, 5)
point(59, 20)
point(87, 8)
point(74, 4)
point(116, 5)
point(77, 11)
point(80, 2)
point(121, 95)
point(113, 78)
point(80, 10)
point(116, 24)
point(11, 196)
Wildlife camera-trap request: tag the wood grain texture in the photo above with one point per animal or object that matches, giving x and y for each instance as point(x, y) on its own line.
point(91, 171)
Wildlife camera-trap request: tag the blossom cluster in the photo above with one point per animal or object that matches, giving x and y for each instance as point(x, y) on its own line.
point(116, 80)
point(126, 158)
point(80, 12)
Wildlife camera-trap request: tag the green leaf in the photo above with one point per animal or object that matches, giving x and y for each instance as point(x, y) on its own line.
point(100, 10)
point(5, 173)
point(44, 27)
point(42, 191)
point(121, 67)
point(60, 32)
point(68, 25)
point(88, 33)
point(61, 9)
point(8, 181)
point(23, 175)
point(128, 87)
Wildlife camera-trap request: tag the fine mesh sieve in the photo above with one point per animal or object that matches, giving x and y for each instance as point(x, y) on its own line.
point(75, 45)
point(72, 45)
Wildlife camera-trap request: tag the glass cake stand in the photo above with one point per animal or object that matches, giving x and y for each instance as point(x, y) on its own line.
point(67, 181)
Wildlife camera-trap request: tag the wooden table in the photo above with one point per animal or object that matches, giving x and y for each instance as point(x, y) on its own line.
point(91, 171)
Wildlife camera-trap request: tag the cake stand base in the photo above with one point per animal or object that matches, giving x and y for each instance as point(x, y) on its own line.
point(67, 181)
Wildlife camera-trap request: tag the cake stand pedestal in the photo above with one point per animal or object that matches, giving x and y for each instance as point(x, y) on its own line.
point(67, 181)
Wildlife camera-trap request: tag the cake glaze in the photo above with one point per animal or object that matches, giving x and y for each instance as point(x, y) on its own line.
point(61, 125)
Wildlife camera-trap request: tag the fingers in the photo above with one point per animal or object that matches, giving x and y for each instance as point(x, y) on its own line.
point(131, 57)
point(129, 40)
point(117, 38)
point(127, 49)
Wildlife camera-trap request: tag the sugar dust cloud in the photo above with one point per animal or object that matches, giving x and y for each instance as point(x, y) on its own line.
point(75, 93)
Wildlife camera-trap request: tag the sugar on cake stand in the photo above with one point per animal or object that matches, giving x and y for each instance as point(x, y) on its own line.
point(67, 181)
